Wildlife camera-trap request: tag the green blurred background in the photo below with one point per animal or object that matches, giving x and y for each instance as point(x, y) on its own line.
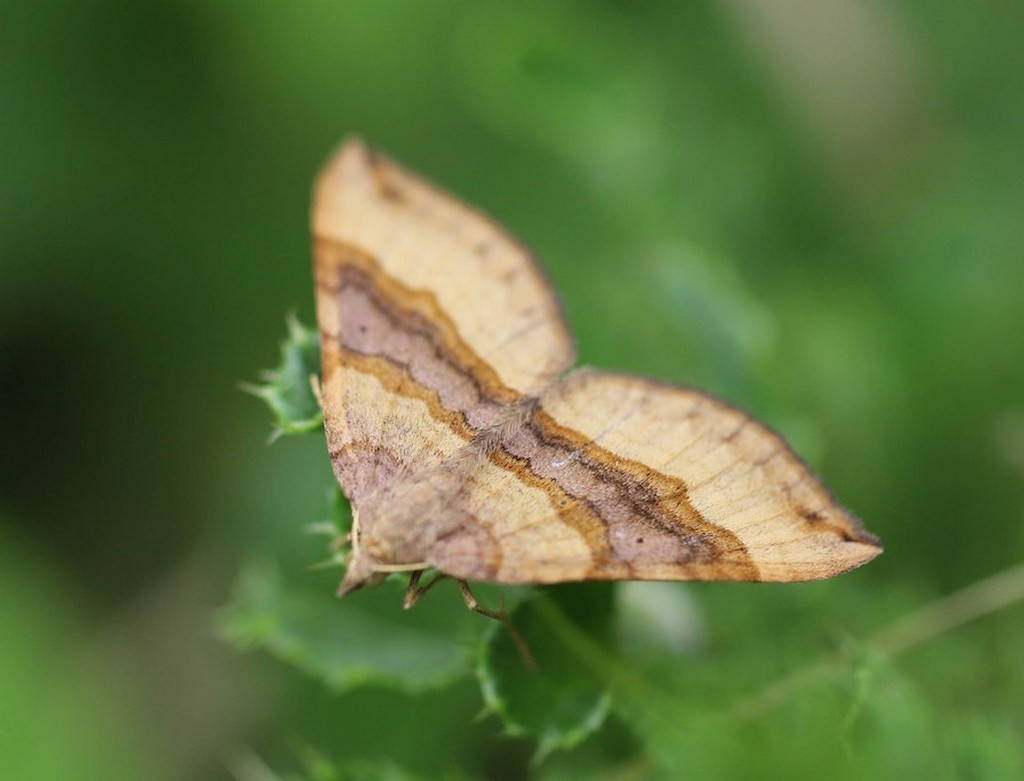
point(814, 209)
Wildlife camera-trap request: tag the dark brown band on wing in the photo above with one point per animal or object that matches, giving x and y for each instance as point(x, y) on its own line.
point(648, 514)
point(410, 322)
point(626, 512)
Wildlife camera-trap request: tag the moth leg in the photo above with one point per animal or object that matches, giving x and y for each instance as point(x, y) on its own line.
point(415, 591)
point(499, 615)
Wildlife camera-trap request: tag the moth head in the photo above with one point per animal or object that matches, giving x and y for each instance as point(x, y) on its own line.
point(381, 544)
point(359, 572)
point(360, 568)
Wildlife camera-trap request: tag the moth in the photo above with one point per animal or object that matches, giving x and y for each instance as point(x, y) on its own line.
point(467, 446)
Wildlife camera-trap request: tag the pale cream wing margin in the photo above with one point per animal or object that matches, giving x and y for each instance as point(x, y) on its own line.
point(483, 279)
point(738, 475)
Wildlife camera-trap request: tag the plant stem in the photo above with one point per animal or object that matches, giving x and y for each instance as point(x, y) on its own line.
point(937, 618)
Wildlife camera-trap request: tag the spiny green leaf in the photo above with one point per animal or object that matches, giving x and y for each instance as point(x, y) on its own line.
point(562, 701)
point(288, 390)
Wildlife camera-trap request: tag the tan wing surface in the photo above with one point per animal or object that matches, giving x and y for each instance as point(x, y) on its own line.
point(482, 278)
point(642, 480)
point(431, 318)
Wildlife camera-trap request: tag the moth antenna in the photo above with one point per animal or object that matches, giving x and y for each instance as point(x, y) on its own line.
point(389, 568)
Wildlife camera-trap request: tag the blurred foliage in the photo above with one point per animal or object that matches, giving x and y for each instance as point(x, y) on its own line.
point(813, 210)
point(47, 690)
point(342, 648)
